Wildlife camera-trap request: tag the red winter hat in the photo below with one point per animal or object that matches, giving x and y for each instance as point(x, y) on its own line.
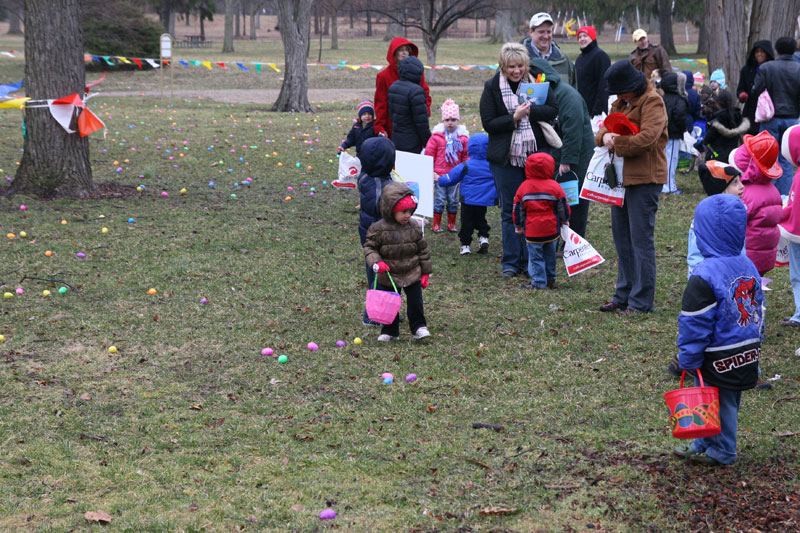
point(765, 151)
point(406, 202)
point(619, 123)
point(588, 30)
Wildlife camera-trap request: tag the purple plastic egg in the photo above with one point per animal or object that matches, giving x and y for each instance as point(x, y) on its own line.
point(312, 346)
point(341, 344)
point(203, 301)
point(81, 255)
point(327, 514)
point(411, 377)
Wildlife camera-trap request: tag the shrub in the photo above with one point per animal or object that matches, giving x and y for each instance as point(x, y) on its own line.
point(119, 28)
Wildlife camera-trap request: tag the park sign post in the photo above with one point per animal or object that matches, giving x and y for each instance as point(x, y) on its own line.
point(166, 53)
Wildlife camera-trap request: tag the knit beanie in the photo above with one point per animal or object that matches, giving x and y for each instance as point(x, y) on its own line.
point(622, 77)
point(588, 30)
point(699, 79)
point(719, 77)
point(716, 176)
point(450, 110)
point(406, 202)
point(365, 106)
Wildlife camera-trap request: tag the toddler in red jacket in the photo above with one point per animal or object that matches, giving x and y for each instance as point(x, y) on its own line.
point(540, 209)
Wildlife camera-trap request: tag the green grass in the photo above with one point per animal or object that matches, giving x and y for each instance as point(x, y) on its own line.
point(188, 427)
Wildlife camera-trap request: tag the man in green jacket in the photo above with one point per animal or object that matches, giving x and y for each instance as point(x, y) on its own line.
point(540, 44)
point(575, 129)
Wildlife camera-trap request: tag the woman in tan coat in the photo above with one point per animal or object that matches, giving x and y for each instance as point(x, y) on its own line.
point(644, 173)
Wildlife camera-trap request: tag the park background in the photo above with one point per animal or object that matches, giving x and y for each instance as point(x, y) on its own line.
point(189, 427)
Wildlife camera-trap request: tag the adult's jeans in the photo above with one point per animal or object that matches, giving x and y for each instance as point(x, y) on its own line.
point(542, 262)
point(722, 447)
point(507, 179)
point(633, 227)
point(776, 127)
point(794, 276)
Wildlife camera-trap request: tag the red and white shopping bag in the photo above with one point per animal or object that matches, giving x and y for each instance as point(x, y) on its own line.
point(579, 255)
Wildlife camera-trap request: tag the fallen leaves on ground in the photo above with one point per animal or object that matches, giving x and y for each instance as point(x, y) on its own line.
point(101, 517)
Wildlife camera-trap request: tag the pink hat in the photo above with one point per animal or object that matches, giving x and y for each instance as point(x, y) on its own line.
point(450, 110)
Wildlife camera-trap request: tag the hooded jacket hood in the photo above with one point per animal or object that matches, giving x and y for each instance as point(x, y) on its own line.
point(765, 45)
point(392, 193)
point(478, 144)
point(410, 69)
point(396, 43)
point(377, 156)
point(689, 81)
point(539, 65)
point(539, 166)
point(719, 225)
point(669, 83)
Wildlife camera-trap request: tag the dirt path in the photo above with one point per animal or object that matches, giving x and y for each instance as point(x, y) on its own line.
point(268, 96)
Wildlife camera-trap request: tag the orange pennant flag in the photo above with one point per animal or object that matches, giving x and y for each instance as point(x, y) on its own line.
point(88, 122)
point(73, 99)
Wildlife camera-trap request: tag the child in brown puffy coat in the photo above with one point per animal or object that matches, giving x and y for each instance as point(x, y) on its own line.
point(396, 244)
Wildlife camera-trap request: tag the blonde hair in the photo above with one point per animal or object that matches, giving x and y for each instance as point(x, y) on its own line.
point(512, 53)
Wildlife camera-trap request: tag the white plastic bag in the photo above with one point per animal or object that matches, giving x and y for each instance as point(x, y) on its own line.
point(349, 170)
point(782, 259)
point(579, 255)
point(595, 186)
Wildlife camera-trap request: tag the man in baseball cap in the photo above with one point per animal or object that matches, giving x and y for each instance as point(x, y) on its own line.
point(540, 44)
point(647, 56)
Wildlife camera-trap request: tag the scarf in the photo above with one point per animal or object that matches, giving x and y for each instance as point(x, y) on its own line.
point(453, 147)
point(523, 141)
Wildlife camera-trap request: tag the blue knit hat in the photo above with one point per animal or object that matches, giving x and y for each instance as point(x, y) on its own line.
point(719, 77)
point(365, 106)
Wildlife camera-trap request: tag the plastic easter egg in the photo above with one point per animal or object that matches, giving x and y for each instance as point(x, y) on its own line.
point(131, 220)
point(63, 222)
point(289, 188)
point(80, 255)
point(411, 377)
point(210, 183)
point(341, 344)
point(327, 514)
point(2, 338)
point(63, 290)
point(183, 191)
point(164, 194)
point(233, 196)
point(388, 381)
point(151, 292)
point(11, 236)
point(282, 359)
point(112, 349)
point(267, 351)
point(387, 375)
point(8, 295)
point(45, 293)
point(311, 193)
point(20, 290)
point(48, 253)
point(324, 182)
point(23, 207)
point(357, 340)
point(23, 234)
point(203, 301)
point(104, 230)
point(312, 346)
point(288, 198)
point(139, 188)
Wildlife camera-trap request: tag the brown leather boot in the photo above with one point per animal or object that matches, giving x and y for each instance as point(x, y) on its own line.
point(451, 222)
point(437, 223)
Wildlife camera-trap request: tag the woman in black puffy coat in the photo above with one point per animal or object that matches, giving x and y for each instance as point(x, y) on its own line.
point(408, 107)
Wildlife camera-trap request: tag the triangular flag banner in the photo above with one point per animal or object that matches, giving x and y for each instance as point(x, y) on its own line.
point(258, 67)
point(273, 67)
point(88, 122)
point(207, 64)
point(62, 113)
point(242, 66)
point(97, 58)
point(184, 63)
point(107, 59)
point(221, 64)
point(16, 103)
point(138, 62)
point(196, 62)
point(152, 63)
point(10, 88)
point(73, 99)
point(124, 60)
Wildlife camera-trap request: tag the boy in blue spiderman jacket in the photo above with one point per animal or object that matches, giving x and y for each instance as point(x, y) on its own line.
point(722, 314)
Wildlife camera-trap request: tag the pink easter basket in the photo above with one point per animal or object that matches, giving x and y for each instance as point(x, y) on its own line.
point(383, 306)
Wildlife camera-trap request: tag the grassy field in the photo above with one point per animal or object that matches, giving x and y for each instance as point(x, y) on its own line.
point(188, 427)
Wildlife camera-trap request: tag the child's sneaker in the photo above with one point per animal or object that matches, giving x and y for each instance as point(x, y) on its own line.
point(385, 337)
point(421, 333)
point(465, 250)
point(370, 323)
point(483, 245)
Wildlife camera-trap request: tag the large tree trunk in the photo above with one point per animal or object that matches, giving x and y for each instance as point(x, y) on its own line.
point(334, 32)
point(237, 32)
point(202, 28)
point(254, 9)
point(665, 26)
point(54, 162)
point(430, 52)
point(771, 19)
point(294, 18)
point(227, 39)
point(369, 24)
point(503, 28)
point(727, 26)
point(14, 8)
point(702, 38)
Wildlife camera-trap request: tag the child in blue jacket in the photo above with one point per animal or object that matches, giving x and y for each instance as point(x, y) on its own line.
point(377, 162)
point(362, 129)
point(721, 320)
point(477, 193)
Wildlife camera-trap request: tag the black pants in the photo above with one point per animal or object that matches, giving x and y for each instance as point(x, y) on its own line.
point(414, 306)
point(473, 217)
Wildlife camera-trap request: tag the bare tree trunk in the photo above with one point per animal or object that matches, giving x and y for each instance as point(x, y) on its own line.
point(227, 39)
point(393, 29)
point(771, 19)
point(15, 14)
point(488, 32)
point(430, 52)
point(369, 24)
point(54, 162)
point(702, 38)
point(316, 20)
point(665, 26)
point(171, 27)
point(236, 20)
point(326, 29)
point(727, 25)
point(503, 28)
point(334, 32)
point(202, 28)
point(352, 19)
point(294, 18)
